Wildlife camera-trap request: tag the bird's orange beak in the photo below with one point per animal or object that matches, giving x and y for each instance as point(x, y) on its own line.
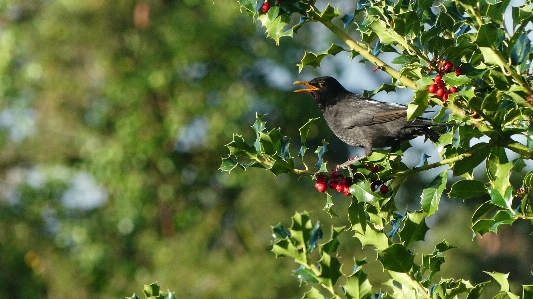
point(310, 87)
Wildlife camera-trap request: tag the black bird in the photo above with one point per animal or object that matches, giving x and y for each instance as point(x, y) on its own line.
point(363, 122)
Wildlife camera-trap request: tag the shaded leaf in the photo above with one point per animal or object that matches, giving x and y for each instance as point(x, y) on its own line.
point(305, 274)
point(358, 286)
point(330, 270)
point(396, 258)
point(414, 229)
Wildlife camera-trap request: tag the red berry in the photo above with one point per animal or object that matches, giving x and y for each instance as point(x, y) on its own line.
point(475, 115)
point(440, 92)
point(445, 97)
point(321, 187)
point(333, 184)
point(339, 188)
point(433, 88)
point(374, 185)
point(265, 7)
point(384, 189)
point(346, 190)
point(345, 182)
point(335, 175)
point(438, 78)
point(453, 89)
point(375, 168)
point(321, 179)
point(458, 71)
point(448, 66)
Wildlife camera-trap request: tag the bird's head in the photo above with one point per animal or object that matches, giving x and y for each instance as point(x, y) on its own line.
point(323, 89)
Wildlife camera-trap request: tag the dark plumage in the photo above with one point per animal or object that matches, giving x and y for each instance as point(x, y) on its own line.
point(364, 122)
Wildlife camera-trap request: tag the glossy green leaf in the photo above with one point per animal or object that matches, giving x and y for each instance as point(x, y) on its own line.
point(396, 258)
point(432, 194)
point(465, 189)
point(467, 164)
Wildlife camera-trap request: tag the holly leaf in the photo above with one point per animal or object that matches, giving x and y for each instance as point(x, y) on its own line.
point(465, 189)
point(358, 286)
point(305, 274)
point(275, 24)
point(433, 192)
point(314, 59)
point(303, 136)
point(396, 258)
point(414, 229)
point(313, 294)
point(330, 270)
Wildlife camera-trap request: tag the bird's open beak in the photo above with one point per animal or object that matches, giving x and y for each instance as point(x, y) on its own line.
point(310, 88)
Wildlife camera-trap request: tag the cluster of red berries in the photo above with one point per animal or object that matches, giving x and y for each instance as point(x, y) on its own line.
point(439, 87)
point(338, 182)
point(377, 184)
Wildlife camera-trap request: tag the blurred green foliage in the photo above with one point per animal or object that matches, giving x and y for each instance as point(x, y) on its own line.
point(114, 116)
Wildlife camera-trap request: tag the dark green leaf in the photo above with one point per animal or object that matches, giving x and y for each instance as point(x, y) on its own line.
point(520, 50)
point(396, 258)
point(229, 163)
point(404, 59)
point(465, 189)
point(475, 293)
point(431, 195)
point(237, 147)
point(467, 164)
point(330, 270)
point(489, 35)
point(314, 59)
point(280, 232)
point(357, 215)
point(281, 166)
point(329, 13)
point(414, 229)
point(316, 233)
point(443, 246)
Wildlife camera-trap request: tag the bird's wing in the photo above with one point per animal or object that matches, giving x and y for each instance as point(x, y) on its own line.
point(369, 112)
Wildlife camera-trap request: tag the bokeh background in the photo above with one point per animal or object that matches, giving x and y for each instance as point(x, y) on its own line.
point(113, 121)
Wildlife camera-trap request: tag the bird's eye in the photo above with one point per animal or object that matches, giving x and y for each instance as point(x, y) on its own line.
point(321, 84)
